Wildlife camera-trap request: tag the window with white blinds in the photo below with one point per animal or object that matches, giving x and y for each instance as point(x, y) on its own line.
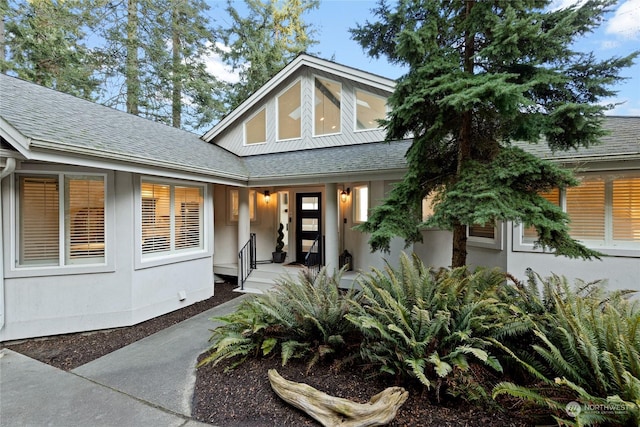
point(604, 210)
point(42, 205)
point(530, 234)
point(486, 231)
point(172, 217)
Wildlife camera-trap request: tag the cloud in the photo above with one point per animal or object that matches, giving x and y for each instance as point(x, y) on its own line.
point(626, 20)
point(216, 66)
point(563, 4)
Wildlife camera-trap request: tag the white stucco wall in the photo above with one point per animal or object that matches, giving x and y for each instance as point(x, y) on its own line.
point(120, 295)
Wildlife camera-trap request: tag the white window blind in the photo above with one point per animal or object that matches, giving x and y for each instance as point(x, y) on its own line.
point(188, 212)
point(255, 129)
point(487, 231)
point(172, 217)
point(156, 217)
point(626, 209)
point(39, 220)
point(361, 203)
point(84, 218)
point(553, 196)
point(586, 207)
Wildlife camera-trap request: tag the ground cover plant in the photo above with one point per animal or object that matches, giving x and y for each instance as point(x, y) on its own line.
point(586, 353)
point(302, 317)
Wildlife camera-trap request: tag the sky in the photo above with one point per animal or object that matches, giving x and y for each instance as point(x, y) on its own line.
point(618, 36)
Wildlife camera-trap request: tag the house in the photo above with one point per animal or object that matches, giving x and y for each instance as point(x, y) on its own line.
point(109, 219)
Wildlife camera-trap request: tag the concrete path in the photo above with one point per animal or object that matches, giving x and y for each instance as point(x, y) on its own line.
point(148, 383)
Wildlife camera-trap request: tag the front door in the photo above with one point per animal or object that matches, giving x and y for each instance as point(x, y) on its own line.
point(308, 223)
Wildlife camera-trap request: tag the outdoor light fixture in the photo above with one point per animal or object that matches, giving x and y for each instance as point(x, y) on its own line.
point(344, 194)
point(267, 196)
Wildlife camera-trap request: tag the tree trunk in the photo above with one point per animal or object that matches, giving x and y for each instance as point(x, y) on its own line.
point(459, 256)
point(334, 411)
point(176, 101)
point(132, 78)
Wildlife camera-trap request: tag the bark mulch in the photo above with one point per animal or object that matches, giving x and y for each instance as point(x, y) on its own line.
point(243, 396)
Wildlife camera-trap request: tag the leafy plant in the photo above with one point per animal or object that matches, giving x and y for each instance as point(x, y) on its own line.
point(429, 324)
point(302, 318)
point(587, 350)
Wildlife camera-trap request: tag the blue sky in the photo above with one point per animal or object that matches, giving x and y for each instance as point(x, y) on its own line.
point(618, 36)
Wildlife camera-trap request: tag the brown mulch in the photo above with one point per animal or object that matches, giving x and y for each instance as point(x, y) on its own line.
point(243, 397)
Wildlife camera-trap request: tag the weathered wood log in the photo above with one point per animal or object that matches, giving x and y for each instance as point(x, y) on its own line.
point(333, 411)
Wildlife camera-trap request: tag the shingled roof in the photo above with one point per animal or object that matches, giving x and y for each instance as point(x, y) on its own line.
point(58, 122)
point(50, 121)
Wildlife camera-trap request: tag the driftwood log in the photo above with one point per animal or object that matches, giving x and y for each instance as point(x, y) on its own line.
point(333, 411)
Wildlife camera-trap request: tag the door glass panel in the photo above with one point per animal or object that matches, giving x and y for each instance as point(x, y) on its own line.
point(306, 245)
point(309, 224)
point(309, 203)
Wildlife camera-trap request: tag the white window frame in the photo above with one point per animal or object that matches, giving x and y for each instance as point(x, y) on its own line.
point(355, 109)
point(487, 242)
point(172, 255)
point(246, 122)
point(253, 202)
point(355, 197)
point(316, 135)
point(608, 246)
point(14, 270)
point(277, 118)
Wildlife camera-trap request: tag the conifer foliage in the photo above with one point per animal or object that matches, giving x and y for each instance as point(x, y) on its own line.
point(481, 76)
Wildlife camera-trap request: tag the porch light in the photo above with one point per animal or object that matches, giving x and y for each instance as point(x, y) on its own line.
point(267, 196)
point(344, 194)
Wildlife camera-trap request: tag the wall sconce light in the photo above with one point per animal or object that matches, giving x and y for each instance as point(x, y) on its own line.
point(345, 194)
point(267, 196)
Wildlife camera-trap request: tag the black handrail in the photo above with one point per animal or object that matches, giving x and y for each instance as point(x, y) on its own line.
point(313, 259)
point(247, 257)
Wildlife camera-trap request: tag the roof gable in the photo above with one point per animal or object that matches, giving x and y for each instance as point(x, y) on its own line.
point(293, 68)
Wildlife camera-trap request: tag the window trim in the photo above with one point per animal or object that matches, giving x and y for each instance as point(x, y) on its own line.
point(244, 128)
point(13, 270)
point(486, 242)
point(608, 246)
point(313, 114)
point(355, 109)
point(155, 259)
point(277, 100)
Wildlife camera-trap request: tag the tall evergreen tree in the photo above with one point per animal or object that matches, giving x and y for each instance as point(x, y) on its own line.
point(44, 42)
point(154, 61)
point(483, 75)
point(261, 43)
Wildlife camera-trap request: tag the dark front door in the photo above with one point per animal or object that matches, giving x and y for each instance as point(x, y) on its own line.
point(308, 223)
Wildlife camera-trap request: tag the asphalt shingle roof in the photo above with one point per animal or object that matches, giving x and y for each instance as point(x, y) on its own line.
point(71, 123)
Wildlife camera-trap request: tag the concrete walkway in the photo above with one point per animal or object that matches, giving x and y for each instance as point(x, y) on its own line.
point(148, 383)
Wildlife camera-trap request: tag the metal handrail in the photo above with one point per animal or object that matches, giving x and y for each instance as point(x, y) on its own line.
point(313, 260)
point(247, 259)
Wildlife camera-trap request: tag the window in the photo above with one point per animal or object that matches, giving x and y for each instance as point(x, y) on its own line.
point(360, 203)
point(45, 240)
point(326, 112)
point(530, 234)
point(604, 210)
point(172, 217)
point(255, 129)
point(234, 203)
point(369, 109)
point(289, 112)
point(486, 231)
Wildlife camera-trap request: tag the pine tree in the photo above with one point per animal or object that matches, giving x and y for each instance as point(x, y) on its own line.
point(262, 43)
point(153, 58)
point(45, 42)
point(483, 75)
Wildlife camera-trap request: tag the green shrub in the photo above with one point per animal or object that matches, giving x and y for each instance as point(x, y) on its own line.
point(299, 317)
point(587, 350)
point(426, 324)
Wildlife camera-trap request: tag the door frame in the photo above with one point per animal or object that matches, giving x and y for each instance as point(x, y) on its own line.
point(302, 214)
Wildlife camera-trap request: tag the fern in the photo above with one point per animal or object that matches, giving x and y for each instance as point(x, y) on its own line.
point(425, 324)
point(587, 348)
point(300, 318)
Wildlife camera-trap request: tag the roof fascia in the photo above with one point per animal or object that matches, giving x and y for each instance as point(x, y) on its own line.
point(353, 74)
point(377, 175)
point(77, 156)
point(15, 138)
